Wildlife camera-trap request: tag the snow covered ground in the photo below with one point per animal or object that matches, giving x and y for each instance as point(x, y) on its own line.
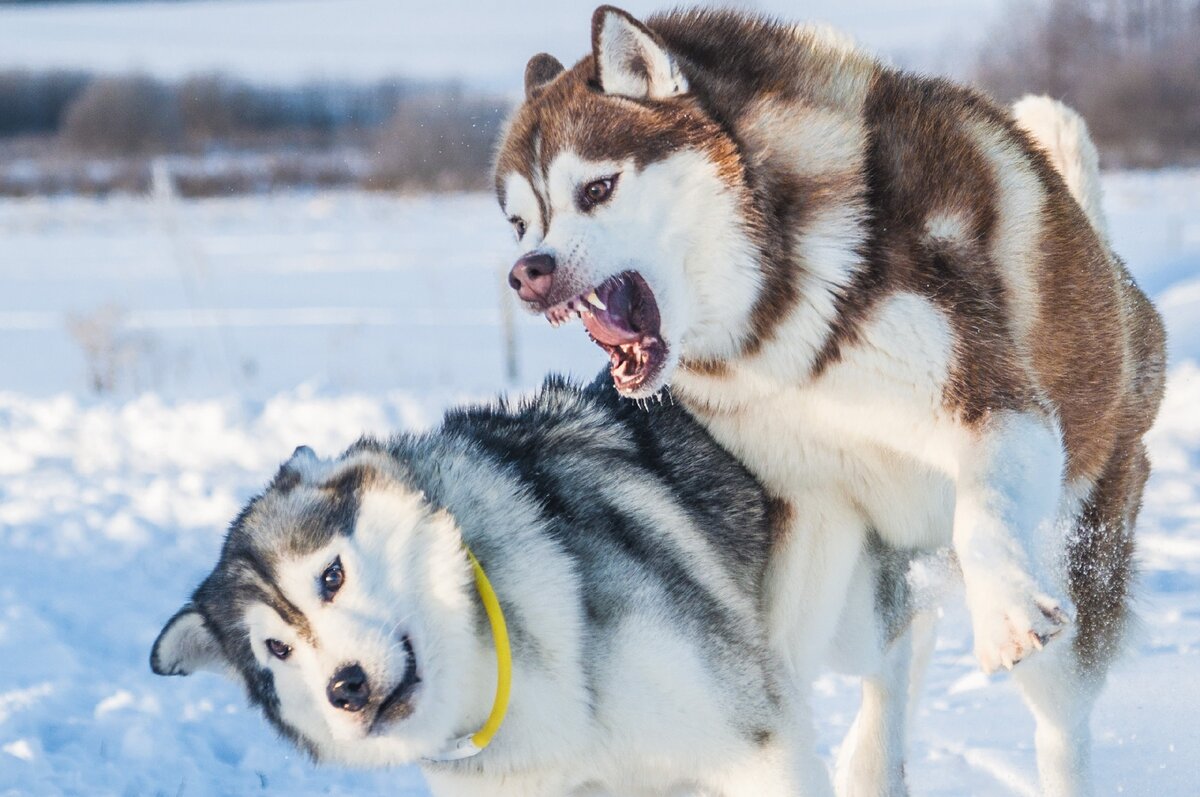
point(236, 329)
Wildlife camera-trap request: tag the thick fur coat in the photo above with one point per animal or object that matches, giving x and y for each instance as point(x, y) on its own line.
point(878, 290)
point(628, 552)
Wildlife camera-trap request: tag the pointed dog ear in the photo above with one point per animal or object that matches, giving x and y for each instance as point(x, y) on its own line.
point(540, 70)
point(291, 472)
point(631, 60)
point(186, 645)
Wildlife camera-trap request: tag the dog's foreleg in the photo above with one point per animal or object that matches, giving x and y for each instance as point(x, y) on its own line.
point(807, 586)
point(871, 760)
point(1008, 489)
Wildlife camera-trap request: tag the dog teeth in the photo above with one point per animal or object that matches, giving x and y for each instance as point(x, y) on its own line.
point(575, 307)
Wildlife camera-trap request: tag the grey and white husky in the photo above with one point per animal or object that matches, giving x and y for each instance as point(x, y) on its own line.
point(892, 299)
point(628, 551)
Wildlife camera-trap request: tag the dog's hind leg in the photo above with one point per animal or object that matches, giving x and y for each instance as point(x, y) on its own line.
point(1062, 684)
point(1061, 698)
point(923, 633)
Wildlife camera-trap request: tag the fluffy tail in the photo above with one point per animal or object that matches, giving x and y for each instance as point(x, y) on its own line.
point(1063, 134)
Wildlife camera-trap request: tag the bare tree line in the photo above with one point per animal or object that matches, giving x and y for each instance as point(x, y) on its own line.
point(1131, 67)
point(231, 136)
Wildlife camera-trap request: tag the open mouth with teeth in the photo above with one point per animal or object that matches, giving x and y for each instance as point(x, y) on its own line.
point(621, 316)
point(398, 704)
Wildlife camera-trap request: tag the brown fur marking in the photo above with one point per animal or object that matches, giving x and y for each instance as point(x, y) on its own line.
point(780, 516)
point(1086, 347)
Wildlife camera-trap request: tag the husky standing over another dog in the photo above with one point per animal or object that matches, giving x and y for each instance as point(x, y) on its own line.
point(627, 550)
point(876, 290)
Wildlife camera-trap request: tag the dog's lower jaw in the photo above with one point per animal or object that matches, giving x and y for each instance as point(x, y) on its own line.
point(657, 385)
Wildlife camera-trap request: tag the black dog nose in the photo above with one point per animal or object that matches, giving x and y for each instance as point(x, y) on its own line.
point(531, 276)
point(348, 689)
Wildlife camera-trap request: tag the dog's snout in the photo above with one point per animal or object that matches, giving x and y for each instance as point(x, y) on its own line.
point(348, 688)
point(532, 276)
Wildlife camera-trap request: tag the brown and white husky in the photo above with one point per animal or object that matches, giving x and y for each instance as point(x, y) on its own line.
point(878, 291)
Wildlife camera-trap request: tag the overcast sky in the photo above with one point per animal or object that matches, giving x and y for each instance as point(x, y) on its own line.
point(484, 43)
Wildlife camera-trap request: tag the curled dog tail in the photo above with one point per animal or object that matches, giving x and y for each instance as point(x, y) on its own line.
point(1062, 133)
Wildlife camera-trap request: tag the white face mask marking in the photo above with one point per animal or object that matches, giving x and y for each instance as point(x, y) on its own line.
point(522, 209)
point(674, 222)
point(401, 612)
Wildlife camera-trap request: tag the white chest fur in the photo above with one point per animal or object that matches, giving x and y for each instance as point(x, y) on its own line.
point(872, 427)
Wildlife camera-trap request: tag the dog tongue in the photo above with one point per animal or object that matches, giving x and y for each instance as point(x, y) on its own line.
point(614, 325)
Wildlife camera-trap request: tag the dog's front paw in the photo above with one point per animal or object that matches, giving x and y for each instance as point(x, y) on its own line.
point(1010, 625)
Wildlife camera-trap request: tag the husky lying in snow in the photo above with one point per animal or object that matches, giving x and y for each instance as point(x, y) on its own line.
point(878, 291)
point(628, 552)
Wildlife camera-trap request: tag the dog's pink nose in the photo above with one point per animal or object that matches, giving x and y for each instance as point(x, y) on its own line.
point(532, 277)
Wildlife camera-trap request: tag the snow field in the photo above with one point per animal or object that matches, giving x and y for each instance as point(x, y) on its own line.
point(270, 322)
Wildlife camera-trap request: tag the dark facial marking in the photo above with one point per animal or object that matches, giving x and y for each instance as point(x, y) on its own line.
point(572, 113)
point(350, 480)
point(265, 590)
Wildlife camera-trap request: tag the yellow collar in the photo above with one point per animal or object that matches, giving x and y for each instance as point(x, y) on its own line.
point(467, 746)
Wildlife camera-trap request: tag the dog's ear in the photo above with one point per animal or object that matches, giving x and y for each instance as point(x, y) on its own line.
point(631, 60)
point(186, 645)
point(303, 454)
point(291, 472)
point(540, 70)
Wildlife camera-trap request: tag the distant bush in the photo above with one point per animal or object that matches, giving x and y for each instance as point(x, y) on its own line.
point(113, 356)
point(217, 107)
point(124, 116)
point(207, 107)
point(1131, 67)
point(34, 102)
point(444, 143)
point(222, 135)
point(1149, 109)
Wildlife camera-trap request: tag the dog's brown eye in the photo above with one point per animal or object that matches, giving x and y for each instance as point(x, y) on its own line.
point(596, 192)
point(332, 579)
point(521, 227)
point(278, 649)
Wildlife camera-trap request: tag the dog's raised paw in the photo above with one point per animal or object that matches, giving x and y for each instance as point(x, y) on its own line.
point(1008, 633)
